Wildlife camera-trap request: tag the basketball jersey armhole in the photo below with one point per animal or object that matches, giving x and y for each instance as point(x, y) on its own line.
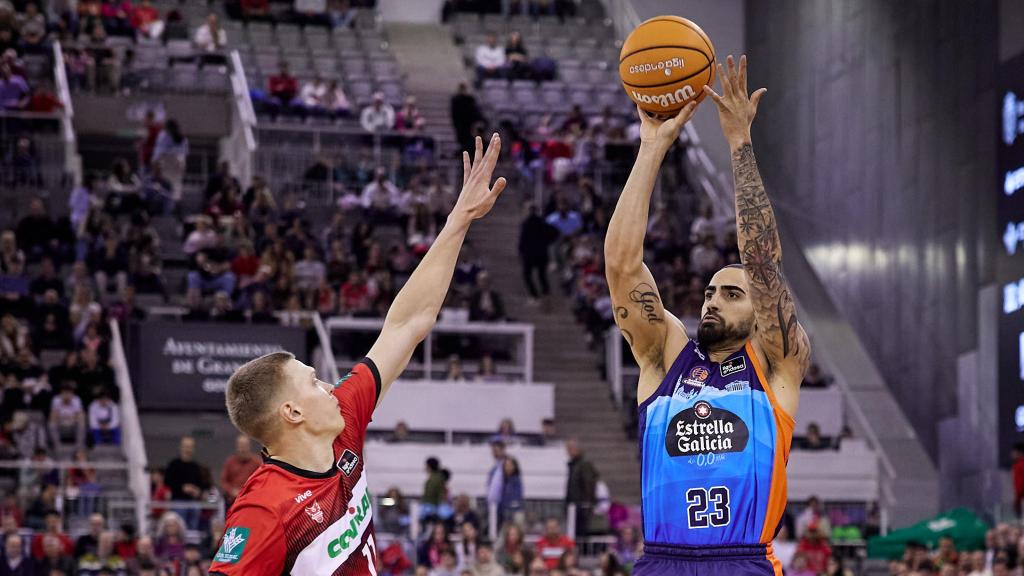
point(786, 417)
point(667, 381)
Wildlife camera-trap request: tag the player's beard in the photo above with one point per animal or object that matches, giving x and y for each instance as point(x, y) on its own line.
point(713, 334)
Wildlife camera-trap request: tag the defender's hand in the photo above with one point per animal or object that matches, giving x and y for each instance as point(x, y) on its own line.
point(663, 133)
point(478, 196)
point(736, 110)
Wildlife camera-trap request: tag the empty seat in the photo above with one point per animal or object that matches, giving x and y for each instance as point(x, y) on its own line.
point(326, 65)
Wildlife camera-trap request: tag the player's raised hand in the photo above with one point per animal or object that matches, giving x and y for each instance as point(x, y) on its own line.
point(736, 110)
point(663, 133)
point(478, 195)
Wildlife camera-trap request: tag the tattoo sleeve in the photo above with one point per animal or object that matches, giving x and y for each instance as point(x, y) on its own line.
point(761, 254)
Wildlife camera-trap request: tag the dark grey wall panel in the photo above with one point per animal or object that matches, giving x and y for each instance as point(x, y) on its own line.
point(876, 139)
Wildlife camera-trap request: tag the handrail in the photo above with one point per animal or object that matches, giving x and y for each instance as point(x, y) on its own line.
point(330, 362)
point(133, 440)
point(72, 162)
point(243, 101)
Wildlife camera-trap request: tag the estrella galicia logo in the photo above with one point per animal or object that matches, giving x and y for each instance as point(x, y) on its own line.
point(704, 429)
point(738, 364)
point(347, 462)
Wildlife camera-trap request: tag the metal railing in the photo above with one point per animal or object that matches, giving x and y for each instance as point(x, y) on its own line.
point(524, 353)
point(72, 163)
point(240, 147)
point(73, 501)
point(134, 443)
point(330, 363)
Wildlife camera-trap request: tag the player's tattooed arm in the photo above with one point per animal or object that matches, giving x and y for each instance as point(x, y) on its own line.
point(779, 332)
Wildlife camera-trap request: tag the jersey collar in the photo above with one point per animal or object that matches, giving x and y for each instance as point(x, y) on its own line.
point(299, 471)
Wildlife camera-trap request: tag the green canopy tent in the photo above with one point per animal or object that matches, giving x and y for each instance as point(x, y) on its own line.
point(964, 526)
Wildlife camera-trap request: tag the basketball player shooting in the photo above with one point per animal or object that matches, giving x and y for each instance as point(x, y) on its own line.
point(307, 510)
point(716, 414)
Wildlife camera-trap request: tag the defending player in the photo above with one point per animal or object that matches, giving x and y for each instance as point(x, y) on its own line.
point(716, 414)
point(307, 511)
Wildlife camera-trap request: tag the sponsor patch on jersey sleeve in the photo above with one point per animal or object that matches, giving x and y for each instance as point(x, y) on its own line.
point(232, 546)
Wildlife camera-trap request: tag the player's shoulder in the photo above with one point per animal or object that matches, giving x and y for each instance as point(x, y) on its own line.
point(263, 493)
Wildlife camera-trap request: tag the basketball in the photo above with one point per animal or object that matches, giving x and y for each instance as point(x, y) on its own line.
point(665, 63)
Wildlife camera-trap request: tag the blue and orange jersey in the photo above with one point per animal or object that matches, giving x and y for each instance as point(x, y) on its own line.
point(713, 447)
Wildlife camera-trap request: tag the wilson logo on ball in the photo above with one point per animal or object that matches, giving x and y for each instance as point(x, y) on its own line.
point(666, 100)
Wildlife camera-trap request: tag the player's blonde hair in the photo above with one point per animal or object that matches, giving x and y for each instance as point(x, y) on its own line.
point(250, 392)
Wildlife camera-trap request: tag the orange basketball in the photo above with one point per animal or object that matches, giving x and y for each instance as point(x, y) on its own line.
point(665, 63)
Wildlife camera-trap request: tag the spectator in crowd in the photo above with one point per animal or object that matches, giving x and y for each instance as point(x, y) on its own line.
point(487, 372)
point(105, 420)
point(408, 116)
point(564, 219)
point(465, 114)
point(145, 556)
point(187, 479)
point(945, 554)
point(116, 17)
point(55, 559)
point(146, 21)
point(32, 28)
point(490, 59)
point(255, 10)
point(238, 467)
point(81, 200)
point(55, 529)
point(378, 116)
point(400, 434)
point(512, 553)
point(834, 567)
point(815, 378)
point(202, 237)
point(432, 549)
point(102, 59)
point(705, 258)
point(37, 233)
point(496, 475)
point(511, 491)
point(89, 542)
point(535, 239)
point(433, 489)
point(506, 433)
point(813, 439)
point(210, 40)
point(158, 490)
point(485, 304)
point(812, 514)
point(170, 152)
point(104, 560)
point(14, 92)
point(553, 544)
point(814, 548)
point(484, 564)
point(15, 561)
point(462, 512)
point(336, 102)
point(381, 198)
point(466, 545)
point(517, 57)
point(22, 164)
point(549, 432)
point(581, 487)
point(123, 187)
point(356, 296)
point(67, 417)
point(448, 566)
point(170, 537)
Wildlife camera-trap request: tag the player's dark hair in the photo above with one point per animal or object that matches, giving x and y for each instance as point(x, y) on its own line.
point(250, 391)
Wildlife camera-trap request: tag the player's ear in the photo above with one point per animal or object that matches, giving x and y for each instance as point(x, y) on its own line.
point(291, 412)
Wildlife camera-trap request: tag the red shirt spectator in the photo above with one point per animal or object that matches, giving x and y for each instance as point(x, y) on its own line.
point(43, 101)
point(1018, 476)
point(144, 15)
point(238, 467)
point(246, 264)
point(355, 294)
point(815, 549)
point(254, 7)
point(52, 527)
point(283, 85)
point(159, 492)
point(553, 544)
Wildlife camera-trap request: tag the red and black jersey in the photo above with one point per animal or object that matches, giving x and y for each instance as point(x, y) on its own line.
point(291, 521)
